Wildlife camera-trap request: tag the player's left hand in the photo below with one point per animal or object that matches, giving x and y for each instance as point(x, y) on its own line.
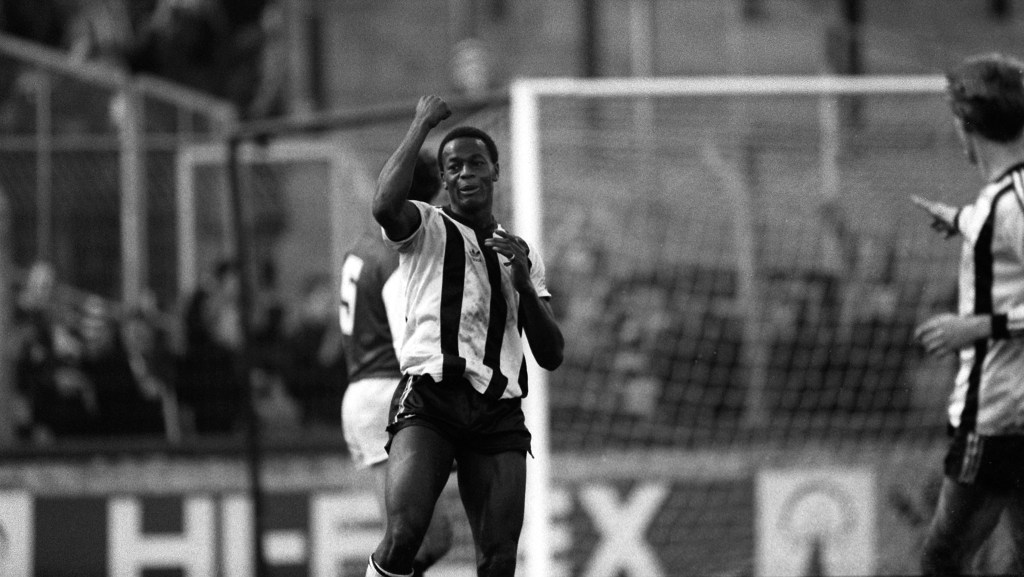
point(947, 333)
point(516, 253)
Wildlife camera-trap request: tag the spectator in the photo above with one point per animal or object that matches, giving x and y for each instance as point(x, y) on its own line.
point(57, 399)
point(100, 31)
point(179, 42)
point(208, 382)
point(125, 406)
point(148, 339)
point(267, 332)
point(318, 373)
point(258, 66)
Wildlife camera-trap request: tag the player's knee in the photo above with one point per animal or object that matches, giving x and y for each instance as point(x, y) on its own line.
point(404, 535)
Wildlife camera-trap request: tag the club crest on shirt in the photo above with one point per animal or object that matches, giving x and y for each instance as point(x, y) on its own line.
point(475, 254)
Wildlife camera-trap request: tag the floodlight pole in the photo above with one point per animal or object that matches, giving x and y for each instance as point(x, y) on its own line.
point(8, 435)
point(253, 449)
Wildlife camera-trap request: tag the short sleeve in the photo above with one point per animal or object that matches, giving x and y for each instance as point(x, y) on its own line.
point(538, 274)
point(409, 243)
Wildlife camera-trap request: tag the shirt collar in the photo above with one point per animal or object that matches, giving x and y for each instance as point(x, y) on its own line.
point(485, 229)
point(1014, 168)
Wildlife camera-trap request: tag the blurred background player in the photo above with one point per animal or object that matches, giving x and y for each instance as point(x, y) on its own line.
point(474, 290)
point(372, 318)
point(984, 471)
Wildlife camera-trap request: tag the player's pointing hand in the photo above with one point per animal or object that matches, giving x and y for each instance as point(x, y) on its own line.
point(943, 215)
point(431, 110)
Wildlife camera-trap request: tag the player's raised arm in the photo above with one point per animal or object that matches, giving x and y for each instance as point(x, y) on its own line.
point(391, 207)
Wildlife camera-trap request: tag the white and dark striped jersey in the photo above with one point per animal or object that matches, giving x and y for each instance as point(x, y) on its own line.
point(988, 397)
point(462, 312)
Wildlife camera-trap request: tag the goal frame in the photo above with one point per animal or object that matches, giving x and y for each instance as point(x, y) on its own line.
point(345, 174)
point(527, 194)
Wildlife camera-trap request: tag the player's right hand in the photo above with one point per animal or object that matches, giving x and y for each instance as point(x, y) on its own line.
point(943, 215)
point(431, 110)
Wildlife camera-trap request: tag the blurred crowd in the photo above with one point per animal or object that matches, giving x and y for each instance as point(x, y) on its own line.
point(667, 356)
point(662, 357)
point(87, 367)
point(232, 49)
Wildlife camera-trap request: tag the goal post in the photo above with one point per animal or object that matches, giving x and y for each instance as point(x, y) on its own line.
point(738, 229)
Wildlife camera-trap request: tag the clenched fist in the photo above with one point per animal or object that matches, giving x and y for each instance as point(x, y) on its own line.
point(431, 110)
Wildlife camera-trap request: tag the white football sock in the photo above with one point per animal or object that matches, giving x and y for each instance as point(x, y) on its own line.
point(374, 570)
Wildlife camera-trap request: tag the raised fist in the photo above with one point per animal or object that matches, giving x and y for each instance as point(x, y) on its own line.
point(431, 110)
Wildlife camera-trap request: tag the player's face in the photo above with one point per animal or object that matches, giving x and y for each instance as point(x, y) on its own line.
point(469, 175)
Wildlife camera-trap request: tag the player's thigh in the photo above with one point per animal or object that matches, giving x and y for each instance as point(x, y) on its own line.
point(493, 491)
point(965, 516)
point(379, 472)
point(418, 467)
point(364, 420)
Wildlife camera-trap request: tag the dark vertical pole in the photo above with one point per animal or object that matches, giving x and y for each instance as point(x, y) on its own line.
point(590, 60)
point(844, 54)
point(7, 384)
point(752, 9)
point(852, 12)
point(1000, 9)
point(589, 45)
point(243, 362)
point(852, 16)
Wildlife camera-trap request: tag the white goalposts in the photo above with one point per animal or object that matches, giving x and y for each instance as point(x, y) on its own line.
point(762, 153)
point(735, 264)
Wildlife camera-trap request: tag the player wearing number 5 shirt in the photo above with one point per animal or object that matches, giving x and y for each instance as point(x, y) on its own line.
point(372, 316)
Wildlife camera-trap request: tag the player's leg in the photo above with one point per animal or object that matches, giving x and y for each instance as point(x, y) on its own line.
point(1015, 520)
point(418, 468)
point(437, 542)
point(493, 490)
point(965, 516)
point(438, 539)
point(364, 416)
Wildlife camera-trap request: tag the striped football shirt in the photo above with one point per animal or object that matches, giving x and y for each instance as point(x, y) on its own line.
point(462, 312)
point(988, 397)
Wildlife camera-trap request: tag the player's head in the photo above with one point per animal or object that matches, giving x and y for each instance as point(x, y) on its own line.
point(468, 159)
point(986, 94)
point(426, 182)
point(468, 132)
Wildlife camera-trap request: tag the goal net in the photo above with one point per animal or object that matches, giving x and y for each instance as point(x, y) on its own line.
point(738, 269)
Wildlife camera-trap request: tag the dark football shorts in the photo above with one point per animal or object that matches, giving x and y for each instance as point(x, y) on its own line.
point(455, 410)
point(995, 462)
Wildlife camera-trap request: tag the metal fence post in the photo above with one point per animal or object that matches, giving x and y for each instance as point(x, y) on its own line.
point(134, 238)
point(7, 352)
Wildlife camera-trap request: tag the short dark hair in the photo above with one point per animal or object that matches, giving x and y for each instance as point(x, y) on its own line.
point(426, 181)
point(986, 92)
point(468, 132)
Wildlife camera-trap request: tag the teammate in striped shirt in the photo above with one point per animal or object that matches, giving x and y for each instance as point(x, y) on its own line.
point(372, 316)
point(984, 467)
point(473, 290)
